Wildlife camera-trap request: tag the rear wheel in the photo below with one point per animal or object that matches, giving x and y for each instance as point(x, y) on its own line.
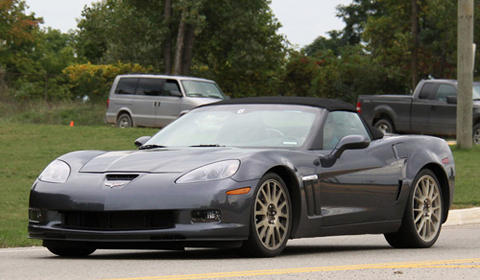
point(384, 125)
point(271, 218)
point(476, 134)
point(422, 220)
point(124, 120)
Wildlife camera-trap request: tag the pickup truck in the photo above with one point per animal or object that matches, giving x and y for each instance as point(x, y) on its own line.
point(432, 109)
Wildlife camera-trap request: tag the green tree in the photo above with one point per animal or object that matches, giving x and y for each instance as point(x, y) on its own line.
point(346, 75)
point(17, 33)
point(233, 42)
point(355, 17)
point(334, 43)
point(240, 48)
point(414, 39)
point(112, 30)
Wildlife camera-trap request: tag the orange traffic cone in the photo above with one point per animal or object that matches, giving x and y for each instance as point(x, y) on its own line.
point(71, 123)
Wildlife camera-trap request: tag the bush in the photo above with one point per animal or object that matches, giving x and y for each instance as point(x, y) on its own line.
point(93, 82)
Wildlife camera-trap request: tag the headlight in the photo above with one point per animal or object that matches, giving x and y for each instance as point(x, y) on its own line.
point(214, 171)
point(56, 172)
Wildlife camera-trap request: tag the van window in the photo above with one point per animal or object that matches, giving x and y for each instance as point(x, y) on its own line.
point(149, 86)
point(170, 85)
point(126, 86)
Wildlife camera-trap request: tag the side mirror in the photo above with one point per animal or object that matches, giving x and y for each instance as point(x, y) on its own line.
point(349, 142)
point(141, 141)
point(452, 99)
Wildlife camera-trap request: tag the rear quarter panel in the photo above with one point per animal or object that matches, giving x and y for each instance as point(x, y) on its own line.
point(426, 152)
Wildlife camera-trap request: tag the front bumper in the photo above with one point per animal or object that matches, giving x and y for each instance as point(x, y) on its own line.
point(141, 214)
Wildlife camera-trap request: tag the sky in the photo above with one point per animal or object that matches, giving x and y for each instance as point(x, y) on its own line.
point(302, 20)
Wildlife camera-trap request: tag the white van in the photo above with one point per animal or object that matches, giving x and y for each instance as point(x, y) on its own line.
point(156, 100)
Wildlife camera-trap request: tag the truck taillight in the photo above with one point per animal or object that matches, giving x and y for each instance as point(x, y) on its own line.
point(359, 107)
point(108, 103)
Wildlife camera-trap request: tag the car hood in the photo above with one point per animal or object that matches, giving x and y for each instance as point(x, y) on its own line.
point(159, 160)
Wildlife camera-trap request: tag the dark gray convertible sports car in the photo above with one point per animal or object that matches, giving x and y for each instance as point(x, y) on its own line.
point(249, 173)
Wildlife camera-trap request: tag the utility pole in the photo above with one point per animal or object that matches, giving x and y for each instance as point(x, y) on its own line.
point(465, 74)
point(415, 44)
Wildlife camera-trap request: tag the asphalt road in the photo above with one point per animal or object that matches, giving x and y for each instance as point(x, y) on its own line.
point(456, 255)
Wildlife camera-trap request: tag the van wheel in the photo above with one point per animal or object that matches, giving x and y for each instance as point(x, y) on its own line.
point(124, 121)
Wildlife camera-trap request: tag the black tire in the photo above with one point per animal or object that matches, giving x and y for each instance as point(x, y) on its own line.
point(476, 134)
point(72, 251)
point(124, 121)
point(384, 125)
point(423, 217)
point(271, 218)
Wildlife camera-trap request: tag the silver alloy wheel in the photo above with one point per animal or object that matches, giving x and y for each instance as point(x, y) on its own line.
point(427, 208)
point(124, 121)
point(272, 214)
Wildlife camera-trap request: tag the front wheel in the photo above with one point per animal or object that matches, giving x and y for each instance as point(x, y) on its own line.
point(422, 220)
point(270, 220)
point(72, 251)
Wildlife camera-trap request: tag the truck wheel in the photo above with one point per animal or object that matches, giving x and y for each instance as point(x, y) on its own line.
point(124, 121)
point(476, 134)
point(384, 126)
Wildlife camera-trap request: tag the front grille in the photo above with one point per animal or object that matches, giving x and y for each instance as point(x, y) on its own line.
point(121, 177)
point(117, 220)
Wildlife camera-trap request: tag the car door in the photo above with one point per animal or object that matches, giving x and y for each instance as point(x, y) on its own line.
point(363, 184)
point(444, 114)
point(433, 114)
point(422, 113)
point(168, 103)
point(146, 102)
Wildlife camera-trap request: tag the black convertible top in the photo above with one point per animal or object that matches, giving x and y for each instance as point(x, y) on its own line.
point(329, 104)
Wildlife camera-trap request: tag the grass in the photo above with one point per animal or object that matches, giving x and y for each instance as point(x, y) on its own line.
point(60, 113)
point(28, 148)
point(467, 167)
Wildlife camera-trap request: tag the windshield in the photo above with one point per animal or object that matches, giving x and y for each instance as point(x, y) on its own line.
point(202, 89)
point(240, 126)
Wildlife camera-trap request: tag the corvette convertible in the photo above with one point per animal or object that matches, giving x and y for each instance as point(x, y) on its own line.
point(250, 174)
